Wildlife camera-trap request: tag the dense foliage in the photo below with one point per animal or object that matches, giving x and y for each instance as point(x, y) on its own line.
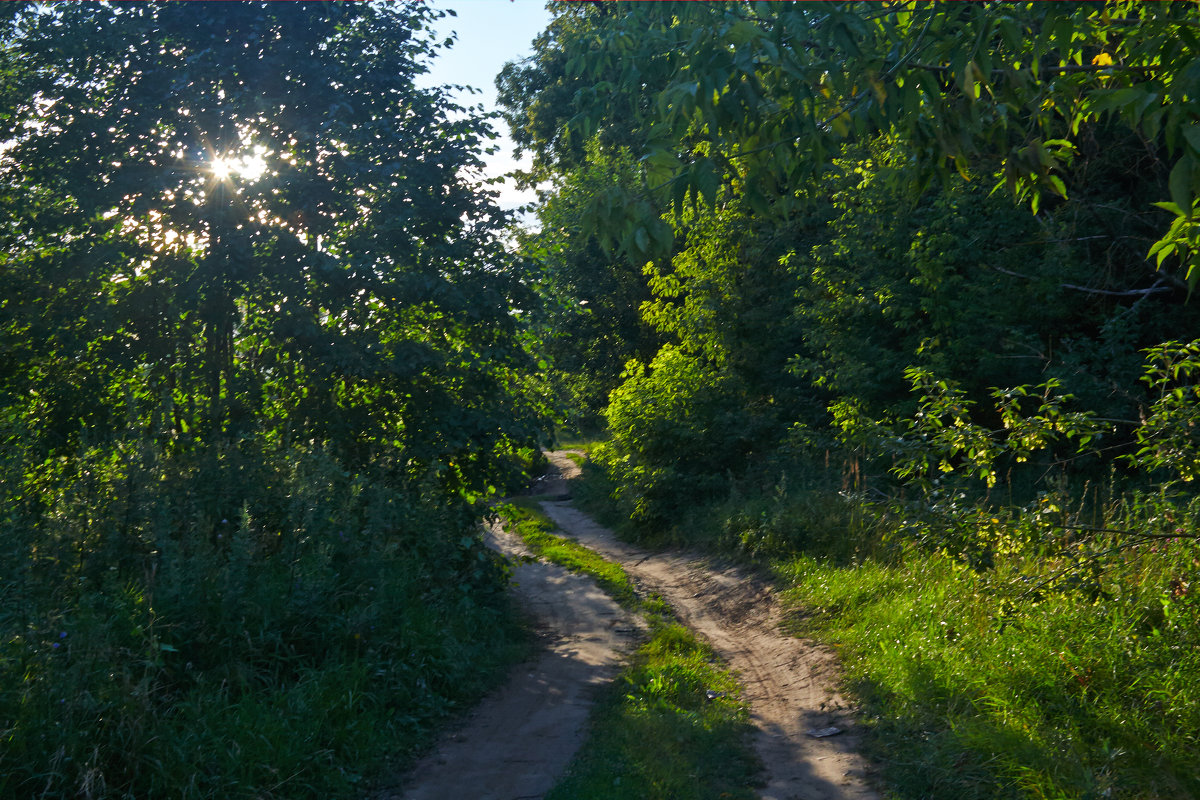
point(260, 361)
point(920, 278)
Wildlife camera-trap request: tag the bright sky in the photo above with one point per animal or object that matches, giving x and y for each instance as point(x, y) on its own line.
point(490, 33)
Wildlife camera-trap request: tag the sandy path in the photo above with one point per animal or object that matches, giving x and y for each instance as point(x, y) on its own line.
point(789, 683)
point(517, 743)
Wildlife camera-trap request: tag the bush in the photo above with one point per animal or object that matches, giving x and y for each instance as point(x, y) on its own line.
point(677, 428)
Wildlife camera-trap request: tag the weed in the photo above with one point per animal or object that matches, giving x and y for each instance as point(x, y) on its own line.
point(700, 747)
point(290, 649)
point(1045, 651)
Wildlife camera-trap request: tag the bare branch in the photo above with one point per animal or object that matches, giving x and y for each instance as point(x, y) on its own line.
point(1157, 288)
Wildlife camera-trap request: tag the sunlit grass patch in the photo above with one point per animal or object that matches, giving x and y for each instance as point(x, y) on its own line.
point(657, 735)
point(1068, 698)
point(528, 521)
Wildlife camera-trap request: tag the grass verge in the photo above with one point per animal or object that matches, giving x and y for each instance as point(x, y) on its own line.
point(989, 681)
point(673, 694)
point(1068, 699)
point(525, 518)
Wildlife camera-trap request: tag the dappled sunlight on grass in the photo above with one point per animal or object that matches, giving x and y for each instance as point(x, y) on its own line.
point(673, 694)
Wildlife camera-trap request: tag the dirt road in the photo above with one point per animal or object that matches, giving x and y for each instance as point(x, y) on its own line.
point(789, 683)
point(517, 744)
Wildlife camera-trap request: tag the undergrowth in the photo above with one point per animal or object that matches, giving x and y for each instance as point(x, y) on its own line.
point(972, 696)
point(155, 642)
point(673, 694)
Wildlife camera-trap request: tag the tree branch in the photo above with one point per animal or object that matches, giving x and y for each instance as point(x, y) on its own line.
point(1157, 288)
point(1064, 70)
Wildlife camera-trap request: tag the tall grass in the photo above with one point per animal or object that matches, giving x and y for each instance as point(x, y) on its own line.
point(975, 694)
point(249, 621)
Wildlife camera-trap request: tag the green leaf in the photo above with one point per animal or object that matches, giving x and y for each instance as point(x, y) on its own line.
point(679, 188)
point(1162, 249)
point(1180, 185)
point(1115, 99)
point(642, 240)
point(1059, 187)
point(1191, 134)
point(704, 176)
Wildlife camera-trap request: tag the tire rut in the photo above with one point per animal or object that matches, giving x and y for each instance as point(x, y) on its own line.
point(518, 742)
point(789, 683)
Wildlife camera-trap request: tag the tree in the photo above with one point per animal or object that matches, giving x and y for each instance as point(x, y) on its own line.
point(592, 323)
point(766, 94)
point(260, 357)
point(250, 215)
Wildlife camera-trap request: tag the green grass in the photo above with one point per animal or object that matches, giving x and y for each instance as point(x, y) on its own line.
point(655, 733)
point(575, 441)
point(524, 517)
point(971, 699)
point(973, 686)
point(304, 651)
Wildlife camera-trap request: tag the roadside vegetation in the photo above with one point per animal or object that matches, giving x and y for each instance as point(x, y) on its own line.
point(913, 319)
point(673, 693)
point(259, 368)
point(1044, 674)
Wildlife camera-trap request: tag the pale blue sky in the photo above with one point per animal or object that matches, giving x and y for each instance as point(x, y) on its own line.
point(490, 33)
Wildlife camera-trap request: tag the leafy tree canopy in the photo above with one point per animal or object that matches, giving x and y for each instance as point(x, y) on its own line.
point(767, 93)
point(246, 212)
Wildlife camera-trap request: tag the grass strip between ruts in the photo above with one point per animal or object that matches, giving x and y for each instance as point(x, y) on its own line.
point(655, 734)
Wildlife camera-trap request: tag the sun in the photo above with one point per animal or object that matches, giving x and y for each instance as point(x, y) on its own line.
point(248, 167)
point(221, 168)
point(253, 166)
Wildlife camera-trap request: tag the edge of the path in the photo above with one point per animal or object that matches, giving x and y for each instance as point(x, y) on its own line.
point(792, 684)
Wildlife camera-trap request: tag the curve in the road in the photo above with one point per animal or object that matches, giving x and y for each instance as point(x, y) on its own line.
point(790, 683)
point(518, 742)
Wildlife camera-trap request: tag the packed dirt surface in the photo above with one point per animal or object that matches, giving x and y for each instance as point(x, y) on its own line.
point(518, 743)
point(789, 683)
